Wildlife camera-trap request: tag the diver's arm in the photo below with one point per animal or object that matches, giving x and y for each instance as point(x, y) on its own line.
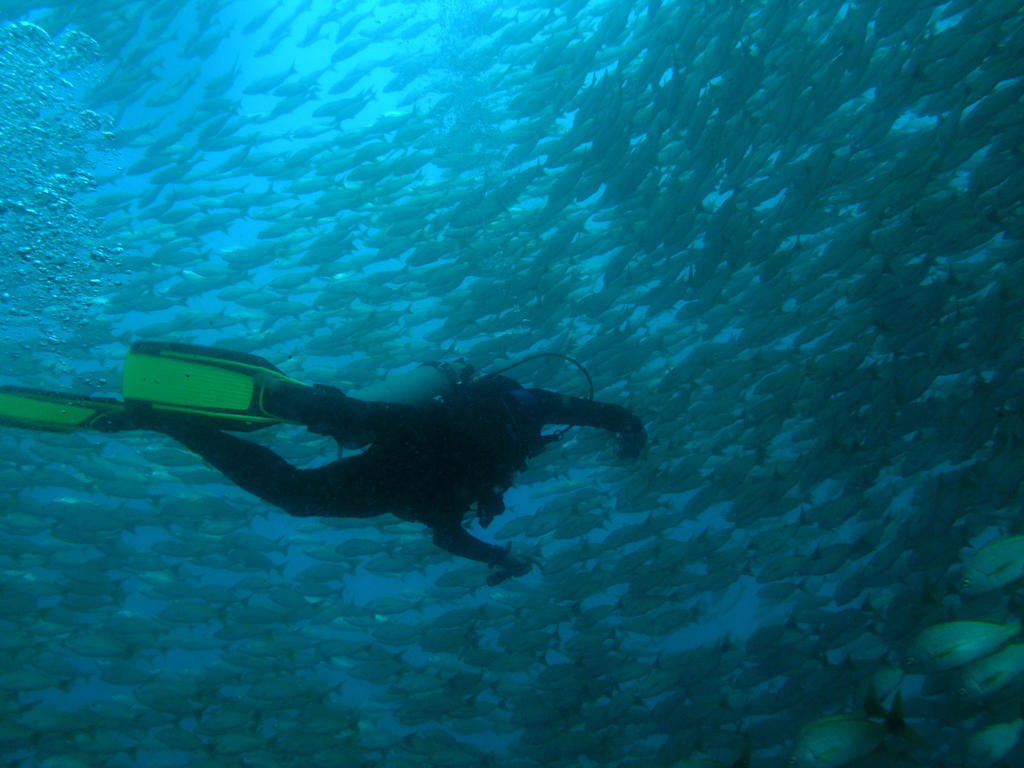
point(503, 563)
point(454, 538)
point(553, 408)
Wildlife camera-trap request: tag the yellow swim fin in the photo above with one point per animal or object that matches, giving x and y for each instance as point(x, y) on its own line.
point(60, 412)
point(208, 382)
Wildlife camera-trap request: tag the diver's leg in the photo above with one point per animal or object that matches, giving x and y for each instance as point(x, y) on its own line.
point(342, 488)
point(328, 411)
point(253, 468)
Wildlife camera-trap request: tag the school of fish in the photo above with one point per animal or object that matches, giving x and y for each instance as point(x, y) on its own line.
point(786, 234)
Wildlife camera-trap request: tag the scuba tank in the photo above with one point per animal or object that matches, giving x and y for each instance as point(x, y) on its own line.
point(417, 386)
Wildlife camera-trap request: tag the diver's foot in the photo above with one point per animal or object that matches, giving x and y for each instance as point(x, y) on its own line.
point(145, 416)
point(114, 421)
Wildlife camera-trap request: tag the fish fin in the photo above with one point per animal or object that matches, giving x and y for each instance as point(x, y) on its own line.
point(743, 761)
point(896, 724)
point(872, 706)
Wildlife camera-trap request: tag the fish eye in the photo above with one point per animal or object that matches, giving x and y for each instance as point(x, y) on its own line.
point(961, 692)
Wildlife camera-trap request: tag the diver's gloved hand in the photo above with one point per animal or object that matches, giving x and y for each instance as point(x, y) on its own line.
point(463, 370)
point(632, 441)
point(490, 507)
point(511, 566)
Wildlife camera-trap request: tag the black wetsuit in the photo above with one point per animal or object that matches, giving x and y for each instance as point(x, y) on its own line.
point(427, 463)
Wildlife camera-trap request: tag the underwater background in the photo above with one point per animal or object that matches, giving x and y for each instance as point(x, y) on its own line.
point(786, 234)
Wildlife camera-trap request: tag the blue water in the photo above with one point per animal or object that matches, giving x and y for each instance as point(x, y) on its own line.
point(785, 235)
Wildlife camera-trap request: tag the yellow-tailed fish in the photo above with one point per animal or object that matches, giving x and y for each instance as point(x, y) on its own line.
point(991, 744)
point(955, 643)
point(988, 674)
point(995, 565)
point(834, 741)
point(837, 740)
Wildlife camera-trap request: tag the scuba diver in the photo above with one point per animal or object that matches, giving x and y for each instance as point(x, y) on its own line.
point(437, 441)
